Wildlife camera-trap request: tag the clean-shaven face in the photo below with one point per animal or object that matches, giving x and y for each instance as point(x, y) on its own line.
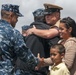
point(64, 32)
point(55, 56)
point(50, 18)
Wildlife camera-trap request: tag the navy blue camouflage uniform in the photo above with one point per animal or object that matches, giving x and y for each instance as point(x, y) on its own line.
point(12, 46)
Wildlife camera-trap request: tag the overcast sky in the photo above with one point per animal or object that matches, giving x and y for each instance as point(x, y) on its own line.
point(28, 6)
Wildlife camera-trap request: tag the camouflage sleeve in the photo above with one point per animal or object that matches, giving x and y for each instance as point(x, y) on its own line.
point(24, 53)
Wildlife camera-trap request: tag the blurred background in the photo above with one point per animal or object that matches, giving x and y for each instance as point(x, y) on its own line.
point(28, 6)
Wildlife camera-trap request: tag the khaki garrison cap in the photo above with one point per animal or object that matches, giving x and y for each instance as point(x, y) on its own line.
point(46, 5)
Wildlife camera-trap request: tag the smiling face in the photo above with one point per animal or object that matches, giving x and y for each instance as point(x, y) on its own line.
point(55, 56)
point(51, 19)
point(65, 33)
